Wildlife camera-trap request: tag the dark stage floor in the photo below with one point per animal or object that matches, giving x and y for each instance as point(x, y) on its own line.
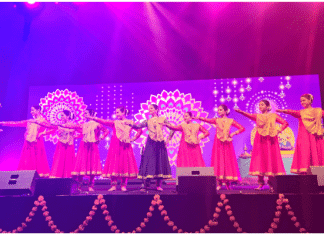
point(171, 190)
point(253, 210)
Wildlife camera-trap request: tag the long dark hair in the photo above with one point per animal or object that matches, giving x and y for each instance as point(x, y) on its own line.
point(37, 107)
point(226, 109)
point(123, 110)
point(189, 113)
point(308, 96)
point(91, 112)
point(156, 108)
point(69, 114)
point(267, 103)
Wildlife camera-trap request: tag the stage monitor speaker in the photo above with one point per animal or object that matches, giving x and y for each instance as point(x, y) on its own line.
point(194, 171)
point(319, 172)
point(296, 184)
point(17, 182)
point(203, 185)
point(56, 186)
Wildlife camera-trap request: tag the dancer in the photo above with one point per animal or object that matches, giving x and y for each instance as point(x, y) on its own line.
point(154, 160)
point(189, 154)
point(64, 154)
point(223, 154)
point(120, 163)
point(309, 149)
point(266, 158)
point(33, 156)
point(88, 159)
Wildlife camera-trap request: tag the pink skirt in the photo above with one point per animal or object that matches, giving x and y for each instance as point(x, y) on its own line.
point(33, 157)
point(224, 161)
point(189, 155)
point(87, 160)
point(120, 160)
point(62, 161)
point(266, 158)
point(309, 151)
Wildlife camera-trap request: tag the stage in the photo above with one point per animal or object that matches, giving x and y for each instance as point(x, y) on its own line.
point(254, 211)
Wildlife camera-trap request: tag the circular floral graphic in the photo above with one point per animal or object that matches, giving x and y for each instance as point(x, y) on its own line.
point(53, 105)
point(172, 105)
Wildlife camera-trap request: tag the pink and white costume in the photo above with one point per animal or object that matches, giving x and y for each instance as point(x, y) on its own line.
point(33, 155)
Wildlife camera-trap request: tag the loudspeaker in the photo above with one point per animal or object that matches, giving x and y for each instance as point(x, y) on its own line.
point(295, 184)
point(319, 172)
point(17, 182)
point(205, 185)
point(56, 186)
point(194, 171)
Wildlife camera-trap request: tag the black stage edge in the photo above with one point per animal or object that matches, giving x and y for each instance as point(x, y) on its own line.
point(253, 211)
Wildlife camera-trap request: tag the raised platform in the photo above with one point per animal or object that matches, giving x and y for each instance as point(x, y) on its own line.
point(253, 210)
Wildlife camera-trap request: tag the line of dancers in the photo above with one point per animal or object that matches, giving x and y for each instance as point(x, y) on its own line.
point(120, 163)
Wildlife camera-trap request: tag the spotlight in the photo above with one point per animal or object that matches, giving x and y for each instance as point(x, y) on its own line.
point(32, 5)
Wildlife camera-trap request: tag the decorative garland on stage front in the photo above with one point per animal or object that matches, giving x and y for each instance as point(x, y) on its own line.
point(100, 202)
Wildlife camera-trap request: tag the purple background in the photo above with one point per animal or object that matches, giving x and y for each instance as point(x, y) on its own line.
point(96, 97)
point(69, 44)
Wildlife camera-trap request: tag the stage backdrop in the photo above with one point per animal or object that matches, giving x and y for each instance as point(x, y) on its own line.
point(202, 97)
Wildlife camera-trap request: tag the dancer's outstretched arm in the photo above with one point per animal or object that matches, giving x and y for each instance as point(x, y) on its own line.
point(294, 113)
point(102, 121)
point(17, 123)
point(139, 126)
point(248, 115)
point(208, 120)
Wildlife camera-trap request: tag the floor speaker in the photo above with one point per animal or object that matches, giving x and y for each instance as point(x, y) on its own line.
point(296, 184)
point(56, 186)
point(17, 182)
point(197, 185)
point(193, 171)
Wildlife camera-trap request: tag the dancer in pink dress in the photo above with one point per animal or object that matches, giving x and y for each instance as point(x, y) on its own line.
point(120, 163)
point(309, 149)
point(266, 158)
point(189, 154)
point(33, 156)
point(64, 155)
point(223, 154)
point(88, 159)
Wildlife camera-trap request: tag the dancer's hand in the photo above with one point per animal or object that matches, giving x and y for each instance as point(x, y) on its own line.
point(41, 134)
point(238, 110)
point(232, 134)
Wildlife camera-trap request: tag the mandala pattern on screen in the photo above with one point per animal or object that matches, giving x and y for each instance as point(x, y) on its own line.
point(172, 105)
point(53, 105)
